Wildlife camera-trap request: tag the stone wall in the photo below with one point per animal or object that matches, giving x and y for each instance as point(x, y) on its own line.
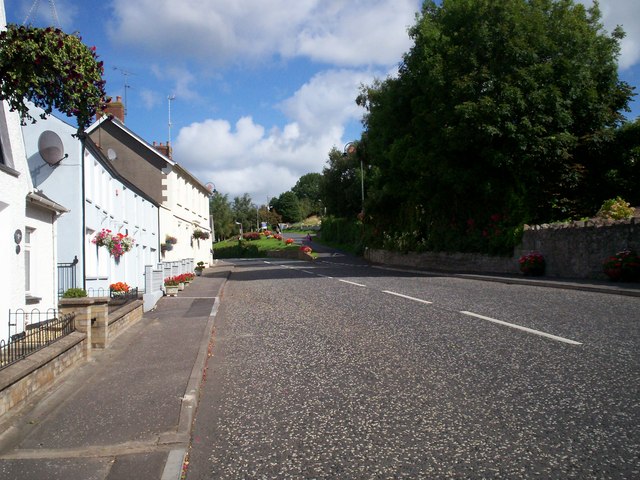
point(124, 317)
point(571, 250)
point(577, 250)
point(21, 380)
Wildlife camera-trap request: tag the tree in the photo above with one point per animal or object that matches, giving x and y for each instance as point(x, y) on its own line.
point(340, 185)
point(245, 212)
point(486, 117)
point(220, 210)
point(307, 189)
point(288, 206)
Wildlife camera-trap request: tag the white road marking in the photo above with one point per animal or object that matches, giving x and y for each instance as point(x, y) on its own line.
point(323, 276)
point(525, 329)
point(407, 297)
point(351, 283)
point(307, 271)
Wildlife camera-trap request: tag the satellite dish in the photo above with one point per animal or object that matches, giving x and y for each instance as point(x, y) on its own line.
point(111, 154)
point(50, 148)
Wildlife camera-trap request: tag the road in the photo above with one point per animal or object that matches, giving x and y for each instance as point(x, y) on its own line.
point(336, 369)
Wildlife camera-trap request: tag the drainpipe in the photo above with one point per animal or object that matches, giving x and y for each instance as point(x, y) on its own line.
point(84, 204)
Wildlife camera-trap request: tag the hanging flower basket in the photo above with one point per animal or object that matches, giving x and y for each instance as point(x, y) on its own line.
point(53, 70)
point(169, 240)
point(200, 235)
point(118, 244)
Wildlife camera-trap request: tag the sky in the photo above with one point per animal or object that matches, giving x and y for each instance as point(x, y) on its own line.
point(261, 90)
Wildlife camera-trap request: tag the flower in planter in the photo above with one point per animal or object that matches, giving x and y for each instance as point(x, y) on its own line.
point(171, 282)
point(119, 287)
point(532, 263)
point(200, 234)
point(624, 266)
point(169, 240)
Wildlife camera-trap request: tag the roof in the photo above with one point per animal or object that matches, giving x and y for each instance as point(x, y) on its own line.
point(41, 200)
point(110, 119)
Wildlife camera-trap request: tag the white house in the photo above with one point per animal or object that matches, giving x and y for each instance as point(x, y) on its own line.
point(183, 199)
point(28, 235)
point(79, 175)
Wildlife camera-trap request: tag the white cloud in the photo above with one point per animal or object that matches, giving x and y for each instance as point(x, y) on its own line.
point(625, 13)
point(266, 161)
point(333, 31)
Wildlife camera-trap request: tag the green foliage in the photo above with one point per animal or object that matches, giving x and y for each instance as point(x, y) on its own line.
point(340, 185)
point(53, 70)
point(616, 209)
point(489, 113)
point(349, 234)
point(288, 206)
point(74, 293)
point(245, 212)
point(307, 189)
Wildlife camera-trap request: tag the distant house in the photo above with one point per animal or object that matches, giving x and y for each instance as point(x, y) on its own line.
point(183, 199)
point(28, 235)
point(79, 175)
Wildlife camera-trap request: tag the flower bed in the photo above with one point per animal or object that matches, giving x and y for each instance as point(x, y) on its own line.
point(532, 263)
point(623, 266)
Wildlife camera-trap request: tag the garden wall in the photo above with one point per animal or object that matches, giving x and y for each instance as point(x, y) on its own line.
point(571, 250)
point(20, 381)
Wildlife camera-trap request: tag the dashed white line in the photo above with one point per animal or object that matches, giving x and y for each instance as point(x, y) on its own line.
point(407, 297)
point(351, 283)
point(524, 329)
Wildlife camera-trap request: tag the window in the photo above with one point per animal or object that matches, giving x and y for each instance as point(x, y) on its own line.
point(28, 260)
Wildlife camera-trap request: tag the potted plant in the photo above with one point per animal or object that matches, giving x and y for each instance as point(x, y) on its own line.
point(169, 240)
point(171, 286)
point(623, 266)
point(199, 268)
point(119, 289)
point(532, 263)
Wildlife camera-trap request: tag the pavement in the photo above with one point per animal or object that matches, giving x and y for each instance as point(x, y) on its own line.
point(128, 412)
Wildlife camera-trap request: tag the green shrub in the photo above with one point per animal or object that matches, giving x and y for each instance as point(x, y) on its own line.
point(74, 293)
point(616, 209)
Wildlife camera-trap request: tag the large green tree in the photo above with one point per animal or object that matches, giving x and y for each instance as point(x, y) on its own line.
point(245, 212)
point(220, 210)
point(288, 206)
point(479, 131)
point(340, 185)
point(307, 189)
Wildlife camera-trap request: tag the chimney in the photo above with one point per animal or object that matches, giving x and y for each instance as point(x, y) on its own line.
point(163, 149)
point(115, 108)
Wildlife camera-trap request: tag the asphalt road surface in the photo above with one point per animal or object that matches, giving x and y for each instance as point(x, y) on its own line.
point(335, 369)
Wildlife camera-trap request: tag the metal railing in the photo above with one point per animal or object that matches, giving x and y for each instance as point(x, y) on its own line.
point(35, 335)
point(66, 276)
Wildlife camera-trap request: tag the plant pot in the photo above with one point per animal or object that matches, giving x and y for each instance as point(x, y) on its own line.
point(171, 290)
point(181, 286)
point(198, 273)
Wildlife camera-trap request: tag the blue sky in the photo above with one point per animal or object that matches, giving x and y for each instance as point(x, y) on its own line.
point(263, 88)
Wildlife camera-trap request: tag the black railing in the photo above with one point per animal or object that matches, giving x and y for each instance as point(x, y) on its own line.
point(66, 276)
point(35, 335)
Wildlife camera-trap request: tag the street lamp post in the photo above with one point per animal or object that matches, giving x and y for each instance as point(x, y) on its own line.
point(350, 149)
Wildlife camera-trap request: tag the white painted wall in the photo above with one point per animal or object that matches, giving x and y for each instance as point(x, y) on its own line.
point(108, 203)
